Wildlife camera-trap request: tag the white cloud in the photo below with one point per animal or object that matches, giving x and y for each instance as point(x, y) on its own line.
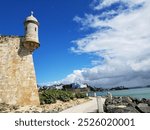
point(105, 3)
point(124, 44)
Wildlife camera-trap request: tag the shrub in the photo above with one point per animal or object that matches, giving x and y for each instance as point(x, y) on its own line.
point(71, 95)
point(65, 96)
point(80, 95)
point(46, 98)
point(50, 96)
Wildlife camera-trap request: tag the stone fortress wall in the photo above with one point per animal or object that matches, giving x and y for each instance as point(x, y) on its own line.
point(17, 75)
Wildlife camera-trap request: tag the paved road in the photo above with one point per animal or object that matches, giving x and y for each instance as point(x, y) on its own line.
point(88, 107)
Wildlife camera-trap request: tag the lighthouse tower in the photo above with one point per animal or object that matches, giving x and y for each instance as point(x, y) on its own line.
point(31, 41)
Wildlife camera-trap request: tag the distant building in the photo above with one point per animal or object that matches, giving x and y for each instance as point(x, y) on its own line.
point(78, 85)
point(58, 87)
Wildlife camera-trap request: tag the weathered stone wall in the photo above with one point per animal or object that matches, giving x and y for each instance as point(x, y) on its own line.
point(17, 76)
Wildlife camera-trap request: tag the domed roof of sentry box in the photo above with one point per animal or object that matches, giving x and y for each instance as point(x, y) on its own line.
point(31, 18)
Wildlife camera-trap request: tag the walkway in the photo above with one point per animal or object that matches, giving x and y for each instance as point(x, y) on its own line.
point(88, 107)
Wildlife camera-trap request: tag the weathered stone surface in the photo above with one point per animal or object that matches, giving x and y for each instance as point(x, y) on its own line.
point(123, 110)
point(148, 102)
point(143, 107)
point(17, 76)
point(126, 99)
point(120, 109)
point(108, 101)
point(135, 100)
point(126, 105)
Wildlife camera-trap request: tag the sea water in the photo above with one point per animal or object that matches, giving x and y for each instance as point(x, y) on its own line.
point(136, 93)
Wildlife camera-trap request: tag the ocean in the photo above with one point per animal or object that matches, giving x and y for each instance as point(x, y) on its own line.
point(136, 93)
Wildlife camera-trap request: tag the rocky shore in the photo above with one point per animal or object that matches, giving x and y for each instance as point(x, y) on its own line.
point(126, 105)
point(47, 108)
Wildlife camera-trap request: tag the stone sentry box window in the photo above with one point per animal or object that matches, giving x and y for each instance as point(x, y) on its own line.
point(35, 29)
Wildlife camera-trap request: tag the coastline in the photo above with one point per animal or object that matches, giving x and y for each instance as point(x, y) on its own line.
point(138, 93)
point(126, 104)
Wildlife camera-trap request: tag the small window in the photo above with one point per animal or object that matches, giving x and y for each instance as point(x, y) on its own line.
point(35, 29)
point(26, 28)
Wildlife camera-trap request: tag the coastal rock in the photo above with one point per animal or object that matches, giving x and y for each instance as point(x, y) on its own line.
point(127, 105)
point(142, 105)
point(126, 100)
point(135, 100)
point(143, 108)
point(126, 110)
point(148, 102)
point(108, 101)
point(109, 107)
point(120, 109)
point(143, 100)
point(117, 100)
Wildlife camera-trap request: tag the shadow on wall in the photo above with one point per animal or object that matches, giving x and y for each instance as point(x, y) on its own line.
point(22, 51)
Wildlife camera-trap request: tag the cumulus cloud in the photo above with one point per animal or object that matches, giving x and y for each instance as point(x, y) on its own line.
point(121, 41)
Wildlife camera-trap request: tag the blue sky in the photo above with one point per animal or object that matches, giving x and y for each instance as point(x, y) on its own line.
point(53, 60)
point(104, 43)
